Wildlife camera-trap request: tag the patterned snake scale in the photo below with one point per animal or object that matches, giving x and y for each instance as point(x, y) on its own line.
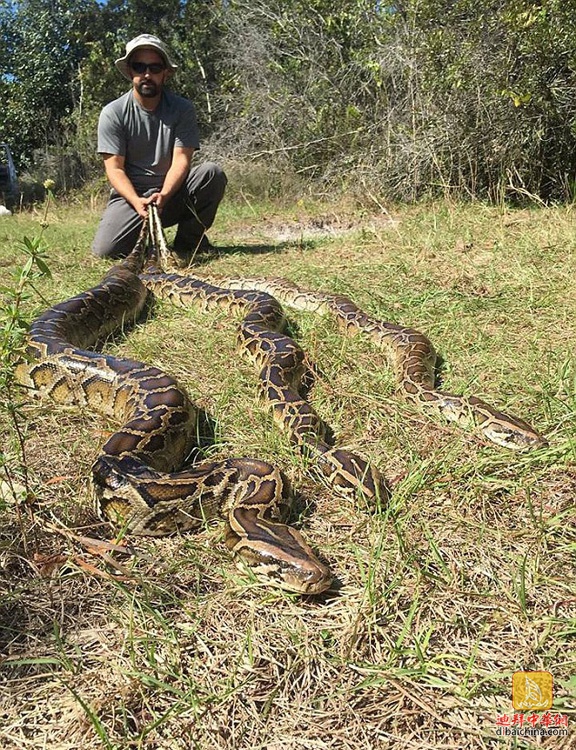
point(139, 480)
point(411, 352)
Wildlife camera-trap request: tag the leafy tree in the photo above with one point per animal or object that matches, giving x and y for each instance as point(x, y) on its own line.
point(494, 113)
point(43, 44)
point(408, 98)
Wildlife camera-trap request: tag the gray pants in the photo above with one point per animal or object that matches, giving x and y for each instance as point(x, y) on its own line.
point(193, 208)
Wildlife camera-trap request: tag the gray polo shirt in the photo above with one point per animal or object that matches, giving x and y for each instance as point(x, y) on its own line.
point(146, 139)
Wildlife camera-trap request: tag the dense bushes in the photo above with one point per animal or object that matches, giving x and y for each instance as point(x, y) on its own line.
point(403, 100)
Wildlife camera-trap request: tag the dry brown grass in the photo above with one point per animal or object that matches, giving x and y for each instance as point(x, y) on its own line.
point(467, 577)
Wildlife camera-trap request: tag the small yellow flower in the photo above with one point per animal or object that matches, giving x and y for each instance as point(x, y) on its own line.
point(49, 184)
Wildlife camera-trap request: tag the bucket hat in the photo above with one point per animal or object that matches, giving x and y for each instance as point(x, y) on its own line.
point(144, 41)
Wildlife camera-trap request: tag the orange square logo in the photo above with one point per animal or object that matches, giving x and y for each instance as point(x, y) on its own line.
point(532, 691)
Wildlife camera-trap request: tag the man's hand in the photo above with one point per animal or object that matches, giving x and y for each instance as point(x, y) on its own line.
point(158, 198)
point(140, 205)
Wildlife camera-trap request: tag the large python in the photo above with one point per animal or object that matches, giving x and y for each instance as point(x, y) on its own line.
point(411, 352)
point(282, 365)
point(138, 479)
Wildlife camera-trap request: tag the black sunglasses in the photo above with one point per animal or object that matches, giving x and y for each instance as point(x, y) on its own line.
point(140, 67)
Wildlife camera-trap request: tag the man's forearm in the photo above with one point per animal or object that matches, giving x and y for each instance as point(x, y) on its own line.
point(174, 178)
point(122, 185)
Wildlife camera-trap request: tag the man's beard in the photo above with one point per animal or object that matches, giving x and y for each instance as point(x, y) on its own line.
point(148, 89)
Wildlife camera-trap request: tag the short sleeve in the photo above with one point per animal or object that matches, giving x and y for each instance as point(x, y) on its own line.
point(186, 133)
point(111, 136)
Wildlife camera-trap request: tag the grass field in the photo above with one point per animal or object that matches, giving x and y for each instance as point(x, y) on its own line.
point(465, 578)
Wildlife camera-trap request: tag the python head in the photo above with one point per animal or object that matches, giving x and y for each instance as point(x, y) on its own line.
point(276, 554)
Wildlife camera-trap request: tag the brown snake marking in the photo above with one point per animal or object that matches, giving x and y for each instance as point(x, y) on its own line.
point(138, 479)
point(411, 352)
point(281, 366)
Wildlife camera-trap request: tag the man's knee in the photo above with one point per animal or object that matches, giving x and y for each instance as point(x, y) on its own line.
point(212, 171)
point(209, 176)
point(117, 232)
point(101, 250)
point(105, 246)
